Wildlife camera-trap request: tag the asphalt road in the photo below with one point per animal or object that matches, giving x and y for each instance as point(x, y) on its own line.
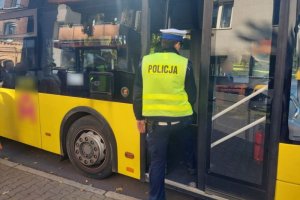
point(51, 163)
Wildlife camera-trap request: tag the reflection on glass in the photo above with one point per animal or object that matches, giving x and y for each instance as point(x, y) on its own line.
point(226, 15)
point(222, 12)
point(67, 59)
point(8, 4)
point(10, 28)
point(241, 60)
point(99, 60)
point(89, 40)
point(215, 15)
point(17, 56)
point(23, 26)
point(14, 3)
point(294, 106)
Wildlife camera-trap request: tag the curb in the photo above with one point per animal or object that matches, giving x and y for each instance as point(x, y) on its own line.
point(59, 179)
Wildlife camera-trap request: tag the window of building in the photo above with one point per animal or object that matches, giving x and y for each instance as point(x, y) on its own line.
point(222, 14)
point(215, 64)
point(10, 28)
point(10, 3)
point(14, 3)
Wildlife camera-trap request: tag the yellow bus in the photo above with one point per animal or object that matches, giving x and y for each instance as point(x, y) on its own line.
point(67, 76)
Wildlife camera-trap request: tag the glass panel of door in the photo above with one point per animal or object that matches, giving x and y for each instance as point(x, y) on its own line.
point(241, 68)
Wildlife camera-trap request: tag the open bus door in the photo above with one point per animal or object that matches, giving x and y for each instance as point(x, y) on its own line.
point(294, 105)
point(238, 49)
point(248, 59)
point(225, 141)
point(288, 180)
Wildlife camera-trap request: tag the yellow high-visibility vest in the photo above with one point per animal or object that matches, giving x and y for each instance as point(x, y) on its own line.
point(163, 86)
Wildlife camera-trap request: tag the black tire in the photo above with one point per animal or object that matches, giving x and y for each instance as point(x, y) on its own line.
point(89, 148)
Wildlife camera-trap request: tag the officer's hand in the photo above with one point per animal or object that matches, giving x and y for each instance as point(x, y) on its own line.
point(141, 126)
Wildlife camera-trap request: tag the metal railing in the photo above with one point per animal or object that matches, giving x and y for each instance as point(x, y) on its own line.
point(235, 133)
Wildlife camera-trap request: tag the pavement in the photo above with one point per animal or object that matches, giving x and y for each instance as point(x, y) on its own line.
point(18, 182)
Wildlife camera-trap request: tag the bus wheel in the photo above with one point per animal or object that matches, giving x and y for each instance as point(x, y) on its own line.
point(89, 148)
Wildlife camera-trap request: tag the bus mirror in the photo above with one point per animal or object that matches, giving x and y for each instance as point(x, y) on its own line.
point(101, 85)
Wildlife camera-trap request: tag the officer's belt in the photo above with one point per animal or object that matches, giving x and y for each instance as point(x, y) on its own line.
point(167, 123)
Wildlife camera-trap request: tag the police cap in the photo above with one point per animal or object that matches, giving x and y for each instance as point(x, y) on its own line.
point(173, 34)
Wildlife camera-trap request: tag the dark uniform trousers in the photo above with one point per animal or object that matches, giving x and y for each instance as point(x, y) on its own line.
point(157, 141)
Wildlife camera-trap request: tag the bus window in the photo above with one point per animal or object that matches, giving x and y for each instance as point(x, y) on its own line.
point(68, 59)
point(90, 39)
point(17, 47)
point(99, 60)
point(22, 26)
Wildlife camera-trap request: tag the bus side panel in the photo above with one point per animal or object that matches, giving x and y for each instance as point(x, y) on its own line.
point(7, 114)
point(120, 117)
point(286, 191)
point(20, 116)
point(288, 176)
point(123, 123)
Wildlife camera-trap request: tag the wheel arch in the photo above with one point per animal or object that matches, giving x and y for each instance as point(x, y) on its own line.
point(73, 115)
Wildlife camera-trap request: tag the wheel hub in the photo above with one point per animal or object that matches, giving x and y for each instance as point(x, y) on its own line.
point(90, 148)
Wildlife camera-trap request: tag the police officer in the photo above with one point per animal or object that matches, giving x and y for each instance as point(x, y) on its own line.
point(164, 92)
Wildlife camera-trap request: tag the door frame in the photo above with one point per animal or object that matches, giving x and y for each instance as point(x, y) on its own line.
point(223, 184)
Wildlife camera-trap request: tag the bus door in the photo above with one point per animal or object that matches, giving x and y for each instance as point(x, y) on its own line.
point(233, 80)
point(288, 179)
point(241, 80)
point(19, 97)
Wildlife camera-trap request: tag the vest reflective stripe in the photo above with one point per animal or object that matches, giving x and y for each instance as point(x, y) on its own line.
point(164, 110)
point(163, 85)
point(161, 101)
point(163, 97)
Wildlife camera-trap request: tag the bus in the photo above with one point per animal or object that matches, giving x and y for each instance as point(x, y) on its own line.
point(67, 76)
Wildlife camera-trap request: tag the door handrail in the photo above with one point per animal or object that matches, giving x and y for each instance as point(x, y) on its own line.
point(261, 90)
point(238, 132)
